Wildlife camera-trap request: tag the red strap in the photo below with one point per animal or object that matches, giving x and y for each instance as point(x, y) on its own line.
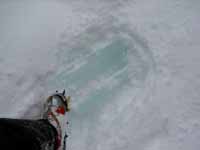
point(58, 142)
point(60, 110)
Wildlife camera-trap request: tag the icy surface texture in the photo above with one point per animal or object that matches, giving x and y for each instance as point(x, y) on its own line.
point(131, 67)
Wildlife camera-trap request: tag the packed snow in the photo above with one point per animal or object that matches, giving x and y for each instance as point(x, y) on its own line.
point(131, 67)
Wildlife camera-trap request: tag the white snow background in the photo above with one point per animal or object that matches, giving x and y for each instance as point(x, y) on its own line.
point(131, 67)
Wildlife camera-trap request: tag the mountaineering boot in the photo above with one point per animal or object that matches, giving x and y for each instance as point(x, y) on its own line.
point(56, 108)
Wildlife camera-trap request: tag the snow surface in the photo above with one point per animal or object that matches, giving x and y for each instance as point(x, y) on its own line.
point(131, 67)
